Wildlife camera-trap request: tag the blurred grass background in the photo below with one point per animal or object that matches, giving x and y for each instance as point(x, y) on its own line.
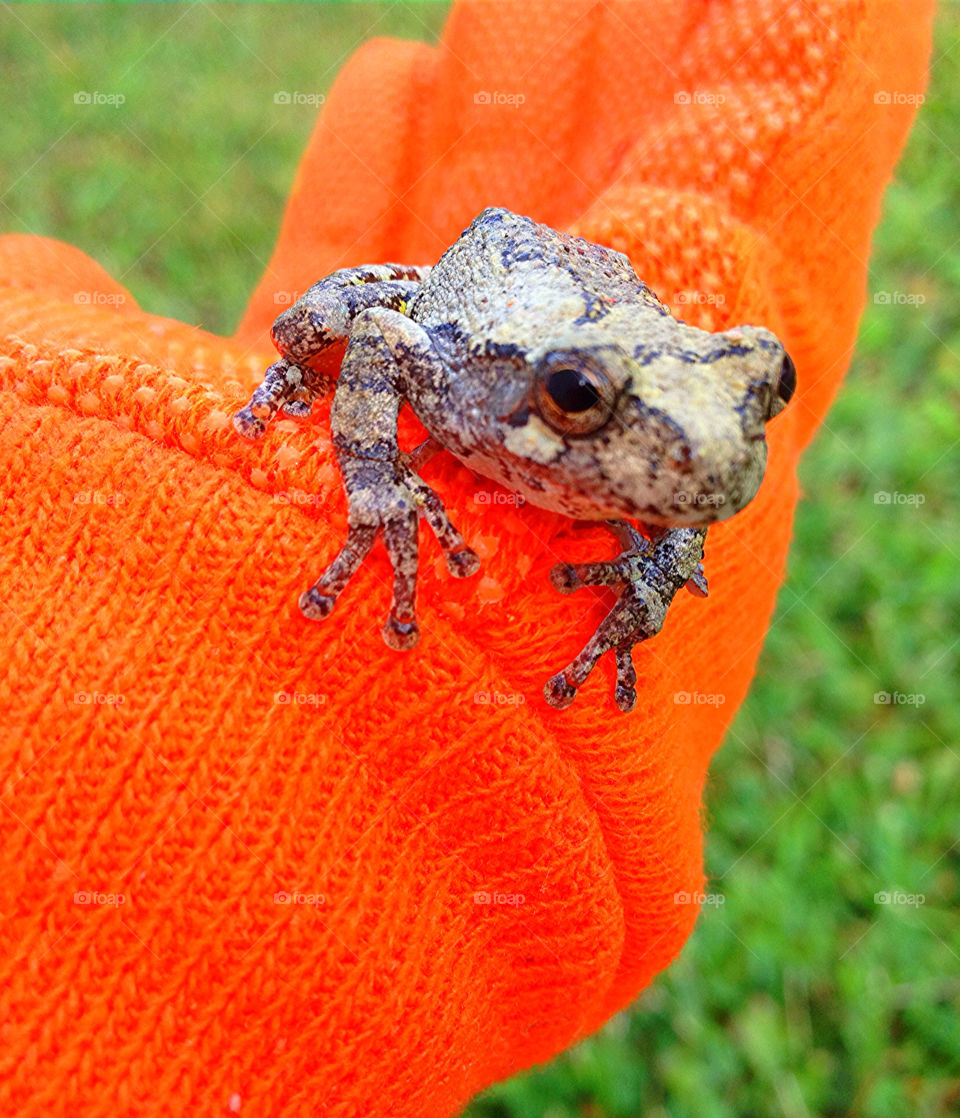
point(800, 996)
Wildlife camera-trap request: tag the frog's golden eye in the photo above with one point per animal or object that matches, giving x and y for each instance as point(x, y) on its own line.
point(573, 394)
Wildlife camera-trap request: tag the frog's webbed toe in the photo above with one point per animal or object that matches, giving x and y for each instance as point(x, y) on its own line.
point(650, 572)
point(462, 561)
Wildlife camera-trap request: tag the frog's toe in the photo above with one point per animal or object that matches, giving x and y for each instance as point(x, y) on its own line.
point(318, 602)
point(401, 634)
point(626, 698)
point(625, 693)
point(299, 403)
point(567, 577)
point(299, 409)
point(315, 605)
point(462, 561)
point(246, 423)
point(697, 583)
point(564, 578)
point(463, 564)
point(559, 692)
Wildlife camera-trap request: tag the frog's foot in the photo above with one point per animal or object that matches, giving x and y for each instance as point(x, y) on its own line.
point(650, 571)
point(314, 386)
point(292, 387)
point(389, 497)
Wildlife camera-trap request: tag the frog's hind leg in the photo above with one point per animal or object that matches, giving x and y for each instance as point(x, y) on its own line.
point(318, 320)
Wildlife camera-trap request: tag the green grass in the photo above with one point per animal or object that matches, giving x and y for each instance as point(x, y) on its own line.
point(178, 191)
point(800, 996)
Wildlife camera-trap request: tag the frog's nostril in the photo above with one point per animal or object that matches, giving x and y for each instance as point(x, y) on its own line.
point(787, 384)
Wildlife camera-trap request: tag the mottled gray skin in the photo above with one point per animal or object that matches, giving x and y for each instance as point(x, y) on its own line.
point(542, 362)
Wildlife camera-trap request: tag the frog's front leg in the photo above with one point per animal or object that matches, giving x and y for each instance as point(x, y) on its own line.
point(319, 319)
point(384, 493)
point(651, 571)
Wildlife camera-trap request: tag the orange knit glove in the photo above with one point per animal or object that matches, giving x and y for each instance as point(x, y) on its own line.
point(181, 750)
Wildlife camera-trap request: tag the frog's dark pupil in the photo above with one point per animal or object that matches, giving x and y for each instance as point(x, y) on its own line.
point(571, 390)
point(788, 380)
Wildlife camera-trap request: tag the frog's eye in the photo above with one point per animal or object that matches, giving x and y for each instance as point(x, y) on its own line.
point(786, 386)
point(573, 396)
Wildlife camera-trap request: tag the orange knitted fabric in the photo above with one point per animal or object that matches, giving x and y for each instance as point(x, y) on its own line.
point(183, 749)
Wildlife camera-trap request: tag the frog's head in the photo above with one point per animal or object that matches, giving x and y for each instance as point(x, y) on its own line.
point(669, 433)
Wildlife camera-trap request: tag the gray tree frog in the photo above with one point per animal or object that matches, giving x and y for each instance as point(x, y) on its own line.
point(544, 363)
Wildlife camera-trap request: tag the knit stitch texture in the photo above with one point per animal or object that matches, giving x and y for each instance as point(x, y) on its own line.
point(175, 733)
